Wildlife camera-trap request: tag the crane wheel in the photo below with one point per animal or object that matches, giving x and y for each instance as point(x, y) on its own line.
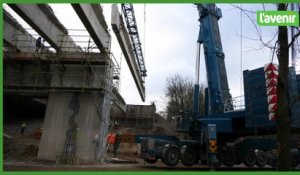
point(250, 159)
point(170, 155)
point(271, 159)
point(151, 160)
point(261, 158)
point(229, 158)
point(188, 156)
point(294, 163)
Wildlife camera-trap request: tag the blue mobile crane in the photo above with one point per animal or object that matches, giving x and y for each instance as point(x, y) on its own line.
point(224, 135)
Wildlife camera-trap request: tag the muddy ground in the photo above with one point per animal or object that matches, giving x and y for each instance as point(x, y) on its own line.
point(20, 154)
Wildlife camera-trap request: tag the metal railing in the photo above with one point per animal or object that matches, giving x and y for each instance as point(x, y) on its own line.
point(235, 103)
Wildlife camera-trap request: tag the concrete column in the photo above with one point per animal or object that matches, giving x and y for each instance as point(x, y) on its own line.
point(92, 119)
point(105, 114)
point(55, 126)
point(88, 121)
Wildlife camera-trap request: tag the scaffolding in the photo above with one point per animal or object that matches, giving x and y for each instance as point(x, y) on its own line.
point(136, 116)
point(47, 63)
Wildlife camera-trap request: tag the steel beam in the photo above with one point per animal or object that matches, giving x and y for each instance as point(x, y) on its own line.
point(126, 46)
point(43, 20)
point(93, 19)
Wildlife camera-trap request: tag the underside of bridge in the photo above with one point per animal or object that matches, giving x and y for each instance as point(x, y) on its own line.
point(68, 90)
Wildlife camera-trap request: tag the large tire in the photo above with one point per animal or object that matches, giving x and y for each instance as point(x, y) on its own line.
point(250, 159)
point(271, 159)
point(204, 162)
point(294, 163)
point(261, 158)
point(229, 158)
point(188, 156)
point(150, 160)
point(170, 155)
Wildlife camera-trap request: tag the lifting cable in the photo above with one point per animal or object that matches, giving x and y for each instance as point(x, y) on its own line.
point(241, 50)
point(274, 50)
point(145, 32)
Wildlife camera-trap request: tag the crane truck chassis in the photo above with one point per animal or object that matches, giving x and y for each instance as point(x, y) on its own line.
point(224, 135)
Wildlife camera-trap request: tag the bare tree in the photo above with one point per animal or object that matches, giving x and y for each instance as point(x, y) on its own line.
point(179, 94)
point(283, 131)
point(281, 47)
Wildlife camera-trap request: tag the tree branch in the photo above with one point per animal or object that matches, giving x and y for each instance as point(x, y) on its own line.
point(294, 39)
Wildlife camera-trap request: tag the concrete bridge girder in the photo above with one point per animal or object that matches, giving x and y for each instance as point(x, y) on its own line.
point(93, 19)
point(15, 36)
point(43, 20)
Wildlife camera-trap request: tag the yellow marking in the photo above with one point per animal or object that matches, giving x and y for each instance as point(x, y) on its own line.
point(213, 149)
point(213, 146)
point(212, 143)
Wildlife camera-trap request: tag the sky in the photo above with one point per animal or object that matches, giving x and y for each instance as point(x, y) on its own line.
point(168, 33)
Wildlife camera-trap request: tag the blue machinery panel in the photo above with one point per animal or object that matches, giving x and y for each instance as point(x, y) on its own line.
point(256, 99)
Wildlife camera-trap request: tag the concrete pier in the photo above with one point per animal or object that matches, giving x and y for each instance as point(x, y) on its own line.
point(91, 120)
point(55, 126)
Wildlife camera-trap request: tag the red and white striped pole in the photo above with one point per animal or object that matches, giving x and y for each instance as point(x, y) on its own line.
point(271, 76)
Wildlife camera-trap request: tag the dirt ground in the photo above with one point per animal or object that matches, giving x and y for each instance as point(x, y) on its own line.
point(20, 154)
point(20, 148)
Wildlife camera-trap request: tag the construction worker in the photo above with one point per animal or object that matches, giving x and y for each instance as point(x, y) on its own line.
point(23, 127)
point(38, 132)
point(41, 127)
point(38, 44)
point(116, 124)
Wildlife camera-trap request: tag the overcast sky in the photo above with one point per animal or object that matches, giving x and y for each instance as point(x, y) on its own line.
point(171, 32)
